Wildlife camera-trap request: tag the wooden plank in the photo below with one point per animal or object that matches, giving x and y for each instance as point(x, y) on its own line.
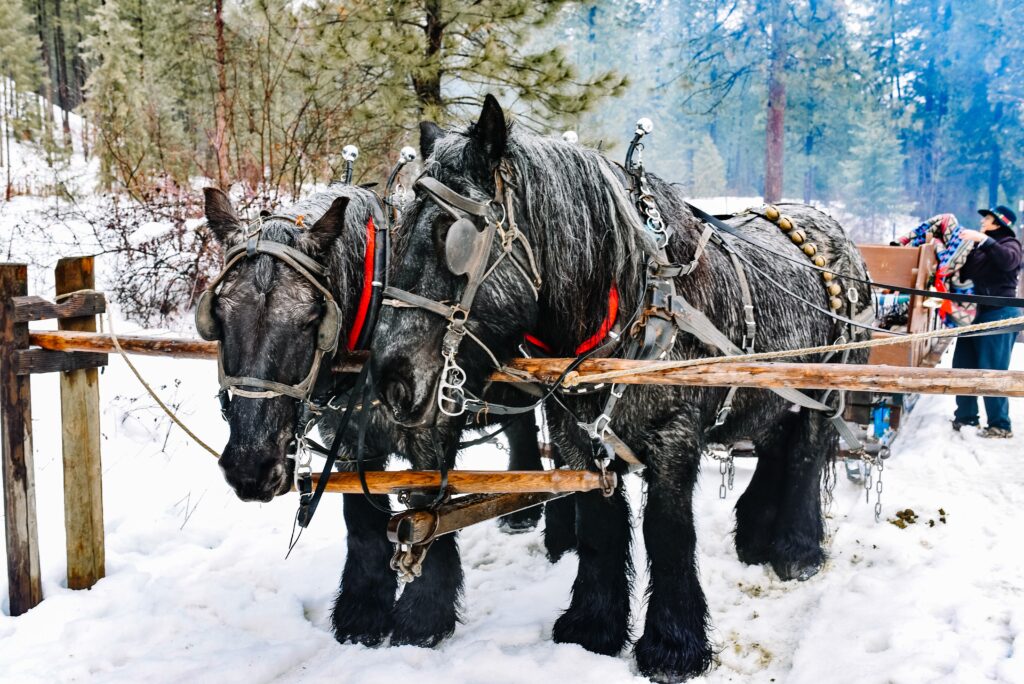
point(466, 481)
point(792, 375)
point(187, 348)
point(25, 588)
point(80, 439)
point(31, 361)
point(762, 375)
point(890, 355)
point(893, 265)
point(34, 308)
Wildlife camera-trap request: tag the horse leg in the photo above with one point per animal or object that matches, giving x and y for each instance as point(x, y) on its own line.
point(674, 645)
point(758, 506)
point(598, 615)
point(524, 454)
point(559, 520)
point(362, 610)
point(797, 551)
point(427, 610)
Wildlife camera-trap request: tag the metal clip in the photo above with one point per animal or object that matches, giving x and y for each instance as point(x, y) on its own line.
point(408, 561)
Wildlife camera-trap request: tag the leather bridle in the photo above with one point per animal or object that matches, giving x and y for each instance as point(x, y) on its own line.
point(467, 252)
point(328, 332)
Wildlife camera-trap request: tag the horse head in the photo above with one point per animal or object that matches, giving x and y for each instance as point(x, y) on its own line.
point(446, 247)
point(276, 311)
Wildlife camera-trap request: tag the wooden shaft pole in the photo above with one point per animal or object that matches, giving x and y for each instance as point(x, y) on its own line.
point(80, 440)
point(466, 481)
point(903, 379)
point(25, 588)
point(423, 526)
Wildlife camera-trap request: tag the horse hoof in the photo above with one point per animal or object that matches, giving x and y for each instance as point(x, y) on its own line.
point(801, 571)
point(596, 633)
point(422, 639)
point(661, 661)
point(519, 522)
point(366, 629)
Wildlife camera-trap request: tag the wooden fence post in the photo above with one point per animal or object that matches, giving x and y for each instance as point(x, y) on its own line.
point(80, 439)
point(25, 587)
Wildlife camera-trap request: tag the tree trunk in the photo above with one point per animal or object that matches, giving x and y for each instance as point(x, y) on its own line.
point(811, 168)
point(61, 57)
point(219, 142)
point(428, 87)
point(994, 161)
point(775, 130)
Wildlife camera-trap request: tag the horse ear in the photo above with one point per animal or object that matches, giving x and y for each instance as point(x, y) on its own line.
point(328, 227)
point(220, 216)
point(429, 134)
point(491, 131)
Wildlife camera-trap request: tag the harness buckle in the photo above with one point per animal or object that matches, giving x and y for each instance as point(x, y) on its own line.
point(458, 315)
point(599, 429)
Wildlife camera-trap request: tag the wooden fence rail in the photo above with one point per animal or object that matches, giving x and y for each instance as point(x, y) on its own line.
point(900, 379)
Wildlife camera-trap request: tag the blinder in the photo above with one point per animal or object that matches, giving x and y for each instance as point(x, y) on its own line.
point(207, 325)
point(464, 246)
point(330, 327)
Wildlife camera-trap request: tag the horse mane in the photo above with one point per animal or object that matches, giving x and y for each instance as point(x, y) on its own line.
point(344, 261)
point(574, 206)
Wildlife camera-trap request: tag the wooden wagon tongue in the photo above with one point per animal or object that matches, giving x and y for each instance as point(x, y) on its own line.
point(485, 495)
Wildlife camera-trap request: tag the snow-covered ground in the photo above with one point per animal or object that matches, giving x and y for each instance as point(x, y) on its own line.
point(197, 587)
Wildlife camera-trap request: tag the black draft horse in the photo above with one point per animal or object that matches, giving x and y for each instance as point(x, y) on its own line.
point(268, 316)
point(573, 207)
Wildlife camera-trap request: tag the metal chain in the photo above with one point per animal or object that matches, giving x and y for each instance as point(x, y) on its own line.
point(726, 467)
point(878, 489)
point(866, 463)
point(722, 469)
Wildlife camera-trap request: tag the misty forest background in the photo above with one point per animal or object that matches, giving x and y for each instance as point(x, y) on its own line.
point(878, 107)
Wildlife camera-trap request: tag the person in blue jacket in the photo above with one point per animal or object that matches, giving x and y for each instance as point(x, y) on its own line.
point(993, 266)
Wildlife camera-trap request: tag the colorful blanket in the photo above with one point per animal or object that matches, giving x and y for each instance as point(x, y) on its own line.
point(952, 252)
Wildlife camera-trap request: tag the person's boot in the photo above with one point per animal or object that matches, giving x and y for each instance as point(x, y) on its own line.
point(995, 433)
point(961, 422)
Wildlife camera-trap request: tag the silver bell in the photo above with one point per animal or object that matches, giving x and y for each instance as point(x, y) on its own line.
point(407, 154)
point(644, 126)
point(570, 137)
point(349, 153)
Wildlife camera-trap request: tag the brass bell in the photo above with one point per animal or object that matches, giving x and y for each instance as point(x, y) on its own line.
point(785, 223)
point(771, 212)
point(810, 250)
point(835, 303)
point(834, 289)
point(797, 236)
point(819, 261)
point(826, 276)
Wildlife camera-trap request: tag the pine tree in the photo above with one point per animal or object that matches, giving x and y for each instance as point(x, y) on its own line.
point(20, 75)
point(434, 59)
point(873, 171)
point(708, 169)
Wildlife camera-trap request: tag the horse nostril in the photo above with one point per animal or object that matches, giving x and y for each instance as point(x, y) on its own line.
point(397, 393)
